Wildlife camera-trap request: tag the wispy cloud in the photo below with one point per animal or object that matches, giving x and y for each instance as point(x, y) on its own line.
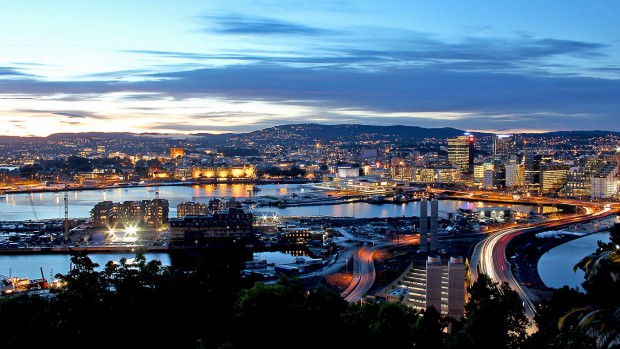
point(254, 25)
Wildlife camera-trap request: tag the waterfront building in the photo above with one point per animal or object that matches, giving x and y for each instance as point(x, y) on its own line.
point(143, 213)
point(460, 152)
point(228, 227)
point(190, 208)
point(224, 172)
point(371, 184)
point(101, 215)
point(155, 213)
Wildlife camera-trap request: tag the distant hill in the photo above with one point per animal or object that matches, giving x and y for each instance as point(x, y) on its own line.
point(581, 134)
point(309, 133)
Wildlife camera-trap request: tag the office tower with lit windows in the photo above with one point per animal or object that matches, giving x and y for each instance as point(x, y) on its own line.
point(504, 145)
point(605, 183)
point(460, 152)
point(553, 177)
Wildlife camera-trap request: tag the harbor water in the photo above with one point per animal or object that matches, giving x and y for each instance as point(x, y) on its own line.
point(50, 205)
point(555, 267)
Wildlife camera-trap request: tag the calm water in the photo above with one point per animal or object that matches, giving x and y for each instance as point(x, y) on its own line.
point(556, 266)
point(50, 205)
point(17, 207)
point(30, 265)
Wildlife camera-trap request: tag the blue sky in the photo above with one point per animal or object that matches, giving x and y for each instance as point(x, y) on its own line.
point(238, 66)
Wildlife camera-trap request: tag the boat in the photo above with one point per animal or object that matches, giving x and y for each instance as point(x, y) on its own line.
point(258, 264)
point(9, 285)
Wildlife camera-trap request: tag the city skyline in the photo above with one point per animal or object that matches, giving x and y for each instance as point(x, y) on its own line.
point(248, 65)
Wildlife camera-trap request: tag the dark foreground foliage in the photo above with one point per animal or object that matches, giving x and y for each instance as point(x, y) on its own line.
point(206, 304)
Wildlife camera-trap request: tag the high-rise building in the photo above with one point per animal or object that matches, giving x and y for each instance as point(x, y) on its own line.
point(456, 287)
point(515, 175)
point(553, 177)
point(434, 276)
point(605, 183)
point(423, 225)
point(528, 155)
point(504, 145)
point(460, 152)
point(578, 182)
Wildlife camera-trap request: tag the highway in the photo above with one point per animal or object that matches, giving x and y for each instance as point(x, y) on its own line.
point(364, 268)
point(489, 255)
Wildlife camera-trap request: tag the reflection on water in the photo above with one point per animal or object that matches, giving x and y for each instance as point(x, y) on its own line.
point(556, 266)
point(30, 265)
point(17, 207)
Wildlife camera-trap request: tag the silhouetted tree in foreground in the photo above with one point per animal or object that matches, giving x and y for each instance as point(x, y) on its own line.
point(206, 304)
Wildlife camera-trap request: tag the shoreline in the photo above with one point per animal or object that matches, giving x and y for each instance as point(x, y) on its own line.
point(528, 249)
point(161, 184)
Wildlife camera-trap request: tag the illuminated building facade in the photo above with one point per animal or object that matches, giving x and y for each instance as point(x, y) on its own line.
point(553, 177)
point(605, 183)
point(188, 208)
point(578, 182)
point(144, 213)
point(460, 152)
point(232, 172)
point(176, 152)
point(515, 175)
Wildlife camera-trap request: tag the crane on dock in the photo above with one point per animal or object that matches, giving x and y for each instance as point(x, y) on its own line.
point(66, 221)
point(34, 209)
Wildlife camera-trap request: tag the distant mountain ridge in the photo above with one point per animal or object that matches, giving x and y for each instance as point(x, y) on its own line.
point(310, 132)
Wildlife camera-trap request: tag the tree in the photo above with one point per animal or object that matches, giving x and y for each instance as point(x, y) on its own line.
point(600, 319)
point(495, 317)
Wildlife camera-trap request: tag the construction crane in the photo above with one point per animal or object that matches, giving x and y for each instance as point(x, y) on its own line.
point(66, 222)
point(34, 209)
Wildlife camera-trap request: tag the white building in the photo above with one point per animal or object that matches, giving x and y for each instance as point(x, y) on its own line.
point(605, 183)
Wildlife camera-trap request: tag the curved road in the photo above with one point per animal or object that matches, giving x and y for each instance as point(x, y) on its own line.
point(489, 255)
point(364, 268)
